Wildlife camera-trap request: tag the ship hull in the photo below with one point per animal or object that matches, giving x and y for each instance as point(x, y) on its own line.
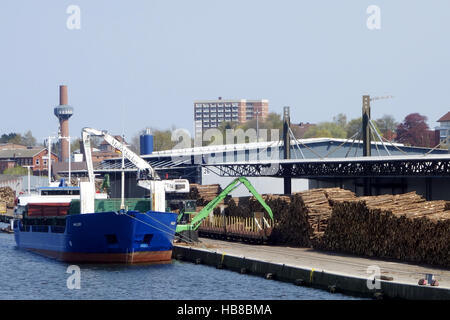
point(106, 237)
point(128, 258)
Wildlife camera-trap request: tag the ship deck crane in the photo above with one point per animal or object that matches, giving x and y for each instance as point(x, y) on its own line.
point(146, 176)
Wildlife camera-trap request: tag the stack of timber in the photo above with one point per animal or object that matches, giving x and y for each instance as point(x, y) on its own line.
point(403, 227)
point(301, 218)
point(291, 225)
point(306, 219)
point(238, 207)
point(235, 228)
point(8, 196)
point(203, 193)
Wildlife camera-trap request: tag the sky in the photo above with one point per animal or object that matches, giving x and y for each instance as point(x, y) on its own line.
point(135, 64)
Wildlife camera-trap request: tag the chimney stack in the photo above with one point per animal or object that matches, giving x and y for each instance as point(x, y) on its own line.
point(63, 112)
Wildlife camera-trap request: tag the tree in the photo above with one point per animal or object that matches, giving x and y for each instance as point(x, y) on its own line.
point(75, 145)
point(338, 128)
point(272, 122)
point(222, 128)
point(135, 143)
point(6, 137)
point(16, 171)
point(387, 126)
point(96, 141)
point(353, 126)
point(11, 138)
point(340, 120)
point(300, 129)
point(162, 140)
point(326, 130)
point(414, 131)
point(28, 139)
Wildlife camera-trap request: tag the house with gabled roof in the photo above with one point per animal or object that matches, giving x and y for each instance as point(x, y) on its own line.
point(444, 127)
point(37, 158)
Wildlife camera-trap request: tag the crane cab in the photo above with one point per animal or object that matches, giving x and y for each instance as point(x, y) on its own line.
point(176, 186)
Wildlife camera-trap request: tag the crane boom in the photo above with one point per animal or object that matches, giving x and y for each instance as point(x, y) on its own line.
point(145, 171)
point(196, 221)
point(146, 176)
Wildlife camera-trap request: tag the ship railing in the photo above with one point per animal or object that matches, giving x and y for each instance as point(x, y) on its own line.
point(42, 228)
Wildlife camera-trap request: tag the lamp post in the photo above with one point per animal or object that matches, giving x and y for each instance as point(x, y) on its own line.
point(49, 154)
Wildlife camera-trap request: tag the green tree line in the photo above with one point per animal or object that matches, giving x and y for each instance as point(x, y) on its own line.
point(339, 127)
point(413, 130)
point(26, 139)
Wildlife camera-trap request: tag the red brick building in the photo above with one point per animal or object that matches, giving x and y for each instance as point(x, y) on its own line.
point(35, 157)
point(6, 164)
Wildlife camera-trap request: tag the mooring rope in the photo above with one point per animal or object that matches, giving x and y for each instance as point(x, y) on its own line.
point(187, 239)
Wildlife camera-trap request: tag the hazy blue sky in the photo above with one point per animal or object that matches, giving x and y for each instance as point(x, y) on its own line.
point(154, 58)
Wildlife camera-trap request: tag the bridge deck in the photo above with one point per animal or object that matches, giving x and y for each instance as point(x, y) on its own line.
point(359, 167)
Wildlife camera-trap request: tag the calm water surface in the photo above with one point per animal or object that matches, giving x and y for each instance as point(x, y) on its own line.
point(25, 275)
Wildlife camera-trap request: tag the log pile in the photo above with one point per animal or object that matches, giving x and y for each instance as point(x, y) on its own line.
point(292, 226)
point(301, 218)
point(203, 193)
point(338, 195)
point(319, 214)
point(8, 195)
point(312, 210)
point(403, 227)
point(238, 207)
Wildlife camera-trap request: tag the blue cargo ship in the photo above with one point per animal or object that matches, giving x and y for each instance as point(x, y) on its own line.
point(117, 236)
point(128, 237)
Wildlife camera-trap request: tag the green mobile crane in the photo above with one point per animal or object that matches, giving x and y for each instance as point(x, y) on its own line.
point(188, 230)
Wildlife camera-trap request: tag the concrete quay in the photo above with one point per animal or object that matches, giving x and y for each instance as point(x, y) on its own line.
point(334, 272)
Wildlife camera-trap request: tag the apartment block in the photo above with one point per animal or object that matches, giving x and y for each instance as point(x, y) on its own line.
point(211, 113)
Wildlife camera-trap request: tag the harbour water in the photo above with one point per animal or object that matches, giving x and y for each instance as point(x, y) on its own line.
point(25, 275)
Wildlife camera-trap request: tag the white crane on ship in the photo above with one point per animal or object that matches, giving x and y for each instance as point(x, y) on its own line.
point(146, 176)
